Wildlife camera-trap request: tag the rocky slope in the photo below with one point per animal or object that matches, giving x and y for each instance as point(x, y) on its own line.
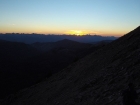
point(97, 79)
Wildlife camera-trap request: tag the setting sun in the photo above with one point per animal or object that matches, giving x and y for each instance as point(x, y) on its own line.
point(77, 32)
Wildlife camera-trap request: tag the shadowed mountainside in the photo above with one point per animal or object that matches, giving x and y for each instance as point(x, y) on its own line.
point(68, 44)
point(23, 66)
point(12, 56)
point(97, 79)
point(59, 55)
point(15, 52)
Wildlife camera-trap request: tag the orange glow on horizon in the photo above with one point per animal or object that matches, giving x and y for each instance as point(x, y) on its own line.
point(61, 32)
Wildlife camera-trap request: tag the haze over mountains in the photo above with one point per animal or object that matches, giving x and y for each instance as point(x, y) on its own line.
point(96, 79)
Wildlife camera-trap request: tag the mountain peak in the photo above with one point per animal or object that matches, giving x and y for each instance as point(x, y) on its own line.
point(130, 36)
point(135, 31)
point(66, 40)
point(138, 27)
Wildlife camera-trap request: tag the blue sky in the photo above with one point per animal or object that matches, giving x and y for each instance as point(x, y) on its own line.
point(103, 17)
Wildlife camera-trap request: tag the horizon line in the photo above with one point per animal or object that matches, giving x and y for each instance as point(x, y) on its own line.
point(62, 34)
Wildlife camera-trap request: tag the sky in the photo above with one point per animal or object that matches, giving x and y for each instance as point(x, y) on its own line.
point(100, 17)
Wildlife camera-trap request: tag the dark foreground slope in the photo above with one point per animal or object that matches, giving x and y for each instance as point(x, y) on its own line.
point(12, 60)
point(97, 79)
point(22, 65)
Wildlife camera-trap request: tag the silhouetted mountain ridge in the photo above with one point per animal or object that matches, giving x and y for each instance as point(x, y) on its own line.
point(16, 50)
point(65, 43)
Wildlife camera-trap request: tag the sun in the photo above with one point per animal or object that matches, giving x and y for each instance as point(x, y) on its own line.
point(76, 32)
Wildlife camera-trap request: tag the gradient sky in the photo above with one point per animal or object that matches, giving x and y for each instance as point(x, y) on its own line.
point(101, 17)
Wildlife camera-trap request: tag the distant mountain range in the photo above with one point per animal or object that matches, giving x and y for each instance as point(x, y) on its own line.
point(97, 79)
point(32, 38)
